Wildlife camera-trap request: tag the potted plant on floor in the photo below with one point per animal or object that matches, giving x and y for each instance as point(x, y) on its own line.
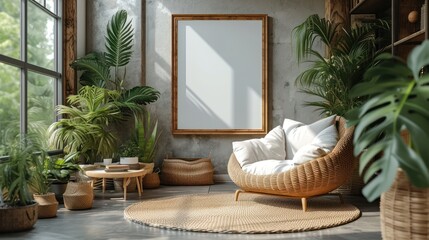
point(397, 100)
point(40, 185)
point(15, 177)
point(59, 171)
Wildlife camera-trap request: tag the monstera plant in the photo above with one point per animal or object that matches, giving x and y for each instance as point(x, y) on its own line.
point(398, 100)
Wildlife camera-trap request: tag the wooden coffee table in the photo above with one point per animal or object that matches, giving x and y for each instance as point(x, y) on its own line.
point(127, 176)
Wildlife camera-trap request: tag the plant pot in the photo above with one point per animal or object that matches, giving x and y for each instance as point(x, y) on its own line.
point(78, 195)
point(404, 210)
point(129, 160)
point(151, 180)
point(15, 219)
point(48, 205)
point(58, 189)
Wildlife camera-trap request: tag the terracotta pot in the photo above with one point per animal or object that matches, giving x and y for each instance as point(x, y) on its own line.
point(151, 180)
point(404, 210)
point(15, 219)
point(48, 205)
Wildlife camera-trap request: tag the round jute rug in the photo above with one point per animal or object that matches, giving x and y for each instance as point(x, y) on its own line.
point(252, 213)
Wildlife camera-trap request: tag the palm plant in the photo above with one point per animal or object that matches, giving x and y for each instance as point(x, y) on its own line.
point(349, 53)
point(97, 68)
point(398, 99)
point(85, 133)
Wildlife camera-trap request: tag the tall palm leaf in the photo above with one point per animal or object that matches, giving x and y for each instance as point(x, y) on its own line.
point(350, 53)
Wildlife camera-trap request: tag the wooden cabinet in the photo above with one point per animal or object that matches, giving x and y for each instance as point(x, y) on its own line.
point(407, 18)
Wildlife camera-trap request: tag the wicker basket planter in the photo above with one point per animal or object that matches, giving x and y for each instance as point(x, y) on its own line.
point(48, 205)
point(187, 171)
point(78, 195)
point(151, 180)
point(404, 210)
point(15, 219)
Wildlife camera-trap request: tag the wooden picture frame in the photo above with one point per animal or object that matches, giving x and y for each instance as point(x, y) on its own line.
point(219, 74)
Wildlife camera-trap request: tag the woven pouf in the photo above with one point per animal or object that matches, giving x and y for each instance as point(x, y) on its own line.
point(78, 195)
point(404, 210)
point(187, 171)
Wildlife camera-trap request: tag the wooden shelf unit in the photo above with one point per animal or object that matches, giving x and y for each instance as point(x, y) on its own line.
point(404, 35)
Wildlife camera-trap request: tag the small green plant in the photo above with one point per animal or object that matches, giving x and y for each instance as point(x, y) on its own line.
point(40, 183)
point(129, 149)
point(147, 137)
point(59, 170)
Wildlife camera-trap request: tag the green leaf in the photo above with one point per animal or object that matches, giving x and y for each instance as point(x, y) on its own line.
point(418, 58)
point(119, 40)
point(140, 95)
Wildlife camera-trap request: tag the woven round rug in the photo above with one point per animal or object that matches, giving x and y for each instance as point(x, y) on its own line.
point(252, 213)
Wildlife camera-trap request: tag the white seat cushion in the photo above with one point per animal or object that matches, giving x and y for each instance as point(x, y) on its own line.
point(298, 134)
point(253, 150)
point(322, 144)
point(267, 167)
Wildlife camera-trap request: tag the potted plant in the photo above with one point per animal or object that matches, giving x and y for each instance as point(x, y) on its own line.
point(397, 97)
point(15, 178)
point(349, 53)
point(87, 131)
point(59, 171)
point(129, 153)
point(40, 185)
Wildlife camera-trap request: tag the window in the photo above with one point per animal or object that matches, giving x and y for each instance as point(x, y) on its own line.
point(30, 64)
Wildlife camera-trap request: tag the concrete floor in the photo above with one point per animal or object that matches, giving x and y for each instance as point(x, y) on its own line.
point(105, 220)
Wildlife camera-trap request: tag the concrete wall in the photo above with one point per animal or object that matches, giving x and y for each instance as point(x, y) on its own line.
point(155, 17)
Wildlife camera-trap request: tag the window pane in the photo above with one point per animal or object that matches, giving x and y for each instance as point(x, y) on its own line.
point(50, 5)
point(41, 100)
point(41, 30)
point(9, 97)
point(10, 28)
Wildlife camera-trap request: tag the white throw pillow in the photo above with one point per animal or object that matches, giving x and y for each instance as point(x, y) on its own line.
point(298, 134)
point(253, 150)
point(321, 145)
point(268, 167)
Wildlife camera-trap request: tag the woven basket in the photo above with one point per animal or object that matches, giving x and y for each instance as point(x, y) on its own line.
point(151, 180)
point(404, 210)
point(187, 171)
point(48, 205)
point(16, 219)
point(78, 195)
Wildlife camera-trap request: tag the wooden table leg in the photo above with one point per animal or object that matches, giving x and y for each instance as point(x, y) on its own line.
point(103, 184)
point(126, 182)
point(138, 180)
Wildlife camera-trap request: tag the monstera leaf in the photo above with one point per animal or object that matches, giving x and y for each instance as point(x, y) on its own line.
point(398, 101)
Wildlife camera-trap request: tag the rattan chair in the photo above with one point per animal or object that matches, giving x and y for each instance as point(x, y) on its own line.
point(317, 177)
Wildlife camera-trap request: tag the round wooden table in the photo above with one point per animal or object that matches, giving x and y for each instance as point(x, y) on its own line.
point(127, 176)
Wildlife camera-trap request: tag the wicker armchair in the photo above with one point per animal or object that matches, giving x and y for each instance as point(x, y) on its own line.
point(316, 177)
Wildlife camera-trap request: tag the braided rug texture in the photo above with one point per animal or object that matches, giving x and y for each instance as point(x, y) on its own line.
point(252, 213)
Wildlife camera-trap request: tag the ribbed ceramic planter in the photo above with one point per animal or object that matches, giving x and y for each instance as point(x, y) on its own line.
point(48, 205)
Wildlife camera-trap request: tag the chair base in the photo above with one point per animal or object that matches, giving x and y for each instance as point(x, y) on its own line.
point(303, 199)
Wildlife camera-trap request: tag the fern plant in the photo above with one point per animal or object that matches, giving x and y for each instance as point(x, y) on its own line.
point(398, 101)
point(349, 53)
